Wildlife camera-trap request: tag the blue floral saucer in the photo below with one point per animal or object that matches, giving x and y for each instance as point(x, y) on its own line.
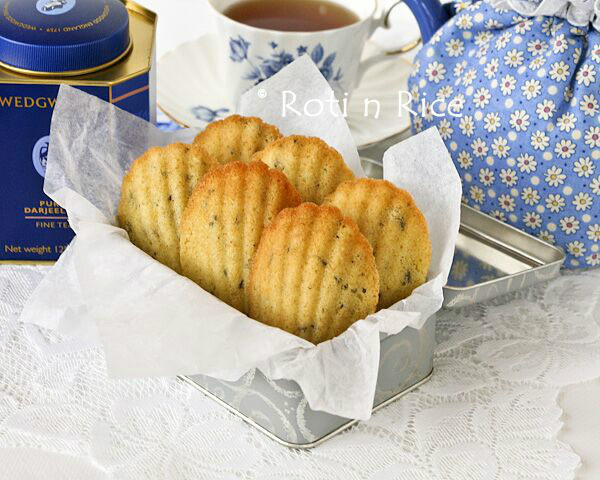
point(190, 91)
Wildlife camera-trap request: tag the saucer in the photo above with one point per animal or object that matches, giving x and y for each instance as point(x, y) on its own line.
point(190, 93)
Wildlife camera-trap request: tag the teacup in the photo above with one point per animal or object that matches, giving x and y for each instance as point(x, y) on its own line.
point(250, 55)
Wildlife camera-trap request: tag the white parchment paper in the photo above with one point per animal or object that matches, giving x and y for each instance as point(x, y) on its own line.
point(154, 322)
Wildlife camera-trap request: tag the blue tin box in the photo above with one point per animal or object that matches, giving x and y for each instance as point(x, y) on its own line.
point(104, 47)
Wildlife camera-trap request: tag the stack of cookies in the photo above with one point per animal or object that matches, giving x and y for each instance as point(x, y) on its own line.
point(277, 227)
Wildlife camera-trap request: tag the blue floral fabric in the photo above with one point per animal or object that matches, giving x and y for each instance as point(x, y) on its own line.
point(525, 131)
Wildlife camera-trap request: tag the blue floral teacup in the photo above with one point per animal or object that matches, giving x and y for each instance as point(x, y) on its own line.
point(251, 55)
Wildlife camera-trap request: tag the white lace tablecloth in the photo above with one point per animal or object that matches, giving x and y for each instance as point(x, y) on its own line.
point(489, 412)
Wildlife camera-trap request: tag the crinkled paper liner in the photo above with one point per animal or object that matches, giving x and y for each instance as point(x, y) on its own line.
point(154, 322)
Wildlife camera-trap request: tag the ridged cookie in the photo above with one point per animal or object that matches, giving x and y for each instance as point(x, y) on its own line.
point(396, 229)
point(223, 222)
point(313, 167)
point(236, 138)
point(154, 194)
point(313, 274)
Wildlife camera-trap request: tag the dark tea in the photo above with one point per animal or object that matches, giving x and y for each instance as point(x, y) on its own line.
point(291, 15)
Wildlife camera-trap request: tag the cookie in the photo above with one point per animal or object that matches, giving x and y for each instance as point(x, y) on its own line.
point(396, 229)
point(236, 138)
point(313, 167)
point(313, 274)
point(154, 194)
point(223, 223)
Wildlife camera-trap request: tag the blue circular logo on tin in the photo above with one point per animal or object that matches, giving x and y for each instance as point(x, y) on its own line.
point(40, 155)
point(55, 7)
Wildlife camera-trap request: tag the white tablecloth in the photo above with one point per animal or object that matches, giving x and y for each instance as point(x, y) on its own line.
point(489, 412)
point(493, 410)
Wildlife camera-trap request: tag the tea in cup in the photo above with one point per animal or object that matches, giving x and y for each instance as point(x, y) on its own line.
point(260, 37)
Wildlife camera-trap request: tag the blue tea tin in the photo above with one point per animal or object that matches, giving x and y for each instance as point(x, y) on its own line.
point(104, 47)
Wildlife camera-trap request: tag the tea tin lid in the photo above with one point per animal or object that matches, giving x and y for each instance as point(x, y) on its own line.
point(62, 37)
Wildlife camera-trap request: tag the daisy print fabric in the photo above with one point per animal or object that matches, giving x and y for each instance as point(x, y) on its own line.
point(517, 101)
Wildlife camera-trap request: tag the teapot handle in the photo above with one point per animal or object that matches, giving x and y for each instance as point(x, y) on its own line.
point(430, 15)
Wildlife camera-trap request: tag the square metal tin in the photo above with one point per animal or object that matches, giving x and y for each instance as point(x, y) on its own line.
point(279, 409)
point(492, 259)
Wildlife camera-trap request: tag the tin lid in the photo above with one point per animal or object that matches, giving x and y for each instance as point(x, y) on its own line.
point(62, 37)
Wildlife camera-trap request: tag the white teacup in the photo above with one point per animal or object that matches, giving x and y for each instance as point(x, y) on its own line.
point(251, 55)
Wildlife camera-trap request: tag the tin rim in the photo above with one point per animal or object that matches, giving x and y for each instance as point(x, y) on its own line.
point(302, 446)
point(540, 266)
point(72, 73)
point(43, 263)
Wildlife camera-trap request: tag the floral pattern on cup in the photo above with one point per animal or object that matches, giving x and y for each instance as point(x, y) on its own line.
point(262, 68)
point(208, 115)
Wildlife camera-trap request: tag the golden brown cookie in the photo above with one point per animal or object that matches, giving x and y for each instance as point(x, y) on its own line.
point(396, 229)
point(313, 167)
point(154, 194)
point(223, 222)
point(313, 274)
point(236, 138)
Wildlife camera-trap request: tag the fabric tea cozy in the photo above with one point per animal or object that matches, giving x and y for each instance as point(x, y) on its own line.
point(523, 89)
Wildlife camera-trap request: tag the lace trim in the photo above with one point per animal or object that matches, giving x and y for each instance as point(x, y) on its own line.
point(579, 13)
